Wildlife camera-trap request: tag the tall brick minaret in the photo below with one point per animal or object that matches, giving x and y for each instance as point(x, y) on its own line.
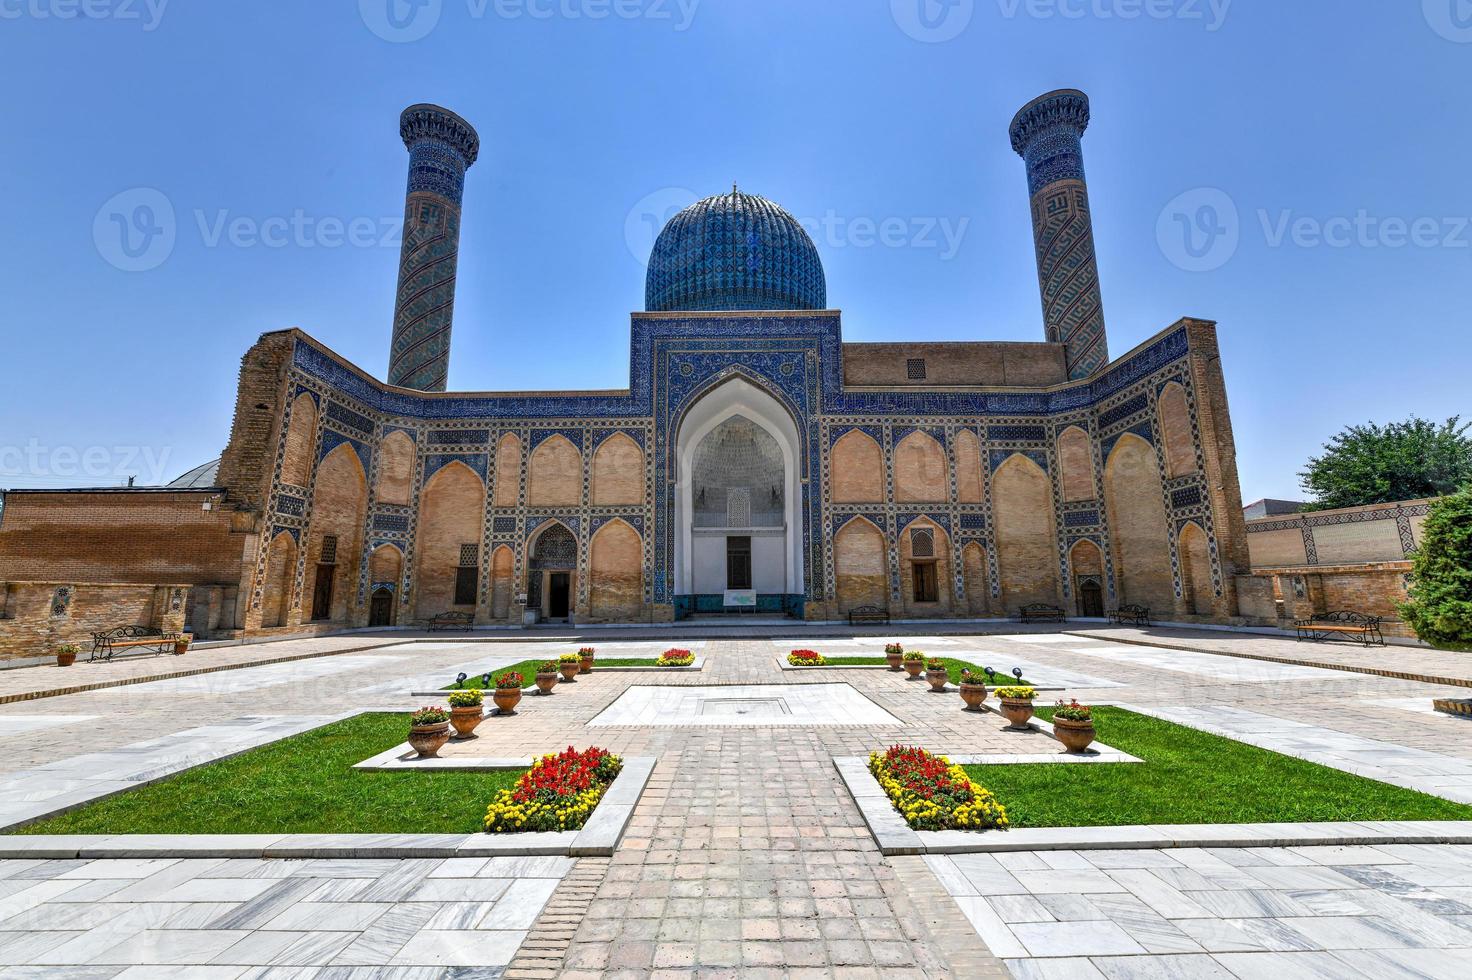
point(442, 146)
point(1048, 134)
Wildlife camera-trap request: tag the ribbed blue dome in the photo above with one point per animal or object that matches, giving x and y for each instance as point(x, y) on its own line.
point(735, 252)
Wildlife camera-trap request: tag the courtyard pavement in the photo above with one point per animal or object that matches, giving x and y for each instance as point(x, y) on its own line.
point(745, 856)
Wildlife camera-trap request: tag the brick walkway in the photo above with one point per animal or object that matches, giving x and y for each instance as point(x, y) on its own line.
point(745, 856)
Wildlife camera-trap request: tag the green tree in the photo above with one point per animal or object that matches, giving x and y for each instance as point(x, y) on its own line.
point(1440, 606)
point(1374, 464)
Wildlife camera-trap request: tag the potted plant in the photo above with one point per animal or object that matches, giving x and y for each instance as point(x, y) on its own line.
point(1017, 706)
point(913, 662)
point(466, 711)
point(181, 643)
point(508, 693)
point(546, 676)
point(892, 654)
point(66, 654)
point(973, 689)
point(429, 730)
point(569, 664)
point(587, 654)
point(936, 674)
point(1073, 724)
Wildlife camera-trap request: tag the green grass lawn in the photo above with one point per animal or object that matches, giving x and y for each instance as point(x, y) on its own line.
point(953, 667)
point(301, 785)
point(1189, 776)
point(528, 670)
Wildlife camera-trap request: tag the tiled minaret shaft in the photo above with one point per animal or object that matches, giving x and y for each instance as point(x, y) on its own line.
point(1048, 134)
point(442, 146)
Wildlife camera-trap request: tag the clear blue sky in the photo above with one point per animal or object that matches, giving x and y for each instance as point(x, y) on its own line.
point(1310, 113)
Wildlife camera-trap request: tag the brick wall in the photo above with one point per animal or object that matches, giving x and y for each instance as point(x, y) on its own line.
point(39, 616)
point(1372, 533)
point(1003, 364)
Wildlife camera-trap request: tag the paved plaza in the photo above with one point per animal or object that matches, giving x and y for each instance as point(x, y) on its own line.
point(746, 856)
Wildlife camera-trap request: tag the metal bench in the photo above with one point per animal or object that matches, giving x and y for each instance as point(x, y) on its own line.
point(1040, 612)
point(108, 642)
point(1341, 625)
point(1131, 614)
point(868, 614)
point(446, 621)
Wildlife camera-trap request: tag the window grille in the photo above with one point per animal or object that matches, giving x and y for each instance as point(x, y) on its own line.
point(915, 369)
point(329, 549)
point(469, 555)
point(738, 507)
point(922, 542)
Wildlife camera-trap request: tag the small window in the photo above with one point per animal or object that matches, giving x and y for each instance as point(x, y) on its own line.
point(738, 563)
point(922, 542)
point(329, 549)
point(915, 369)
point(470, 556)
point(465, 586)
point(926, 589)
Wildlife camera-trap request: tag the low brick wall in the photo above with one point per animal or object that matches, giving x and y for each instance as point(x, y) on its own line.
point(39, 616)
point(1278, 596)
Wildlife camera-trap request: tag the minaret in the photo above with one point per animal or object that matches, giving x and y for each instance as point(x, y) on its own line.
point(1048, 134)
point(442, 146)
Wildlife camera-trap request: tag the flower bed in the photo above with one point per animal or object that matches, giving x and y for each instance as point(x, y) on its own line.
point(807, 658)
point(557, 793)
point(932, 794)
point(675, 658)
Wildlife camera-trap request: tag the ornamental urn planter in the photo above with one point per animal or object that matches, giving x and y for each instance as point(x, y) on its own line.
point(586, 667)
point(1076, 736)
point(913, 668)
point(1018, 712)
point(427, 740)
point(181, 646)
point(569, 671)
point(893, 659)
point(66, 659)
point(507, 698)
point(546, 682)
point(938, 680)
point(974, 695)
point(465, 719)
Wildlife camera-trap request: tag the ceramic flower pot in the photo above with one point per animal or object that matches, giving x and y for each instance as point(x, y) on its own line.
point(427, 740)
point(974, 695)
point(938, 679)
point(1018, 712)
point(65, 659)
point(893, 659)
point(546, 682)
point(913, 668)
point(507, 698)
point(569, 671)
point(1076, 736)
point(181, 647)
point(586, 667)
point(466, 718)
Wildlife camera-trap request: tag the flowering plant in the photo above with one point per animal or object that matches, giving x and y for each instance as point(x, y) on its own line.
point(807, 658)
point(932, 794)
point(70, 648)
point(935, 663)
point(1017, 693)
point(547, 667)
point(586, 653)
point(570, 658)
point(890, 648)
point(912, 655)
point(465, 699)
point(557, 793)
point(429, 716)
point(1073, 711)
point(969, 676)
point(675, 658)
point(510, 680)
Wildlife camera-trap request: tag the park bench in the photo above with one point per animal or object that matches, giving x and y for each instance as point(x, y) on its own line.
point(1040, 612)
point(1131, 614)
point(868, 614)
point(1341, 625)
point(445, 621)
point(109, 642)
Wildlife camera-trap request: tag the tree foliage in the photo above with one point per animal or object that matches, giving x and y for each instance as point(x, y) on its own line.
point(1440, 606)
point(1374, 464)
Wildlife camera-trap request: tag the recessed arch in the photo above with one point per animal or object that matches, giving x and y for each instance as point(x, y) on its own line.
point(925, 568)
point(339, 511)
point(451, 517)
point(920, 470)
point(1175, 427)
point(1026, 536)
point(508, 470)
point(280, 576)
point(860, 566)
point(977, 578)
point(1086, 565)
point(301, 437)
point(856, 469)
point(1138, 526)
point(968, 467)
point(1076, 463)
point(502, 571)
point(395, 469)
point(555, 474)
point(1197, 590)
point(615, 569)
point(618, 472)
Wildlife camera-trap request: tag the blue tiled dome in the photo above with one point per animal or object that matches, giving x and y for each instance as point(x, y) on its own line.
point(735, 252)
